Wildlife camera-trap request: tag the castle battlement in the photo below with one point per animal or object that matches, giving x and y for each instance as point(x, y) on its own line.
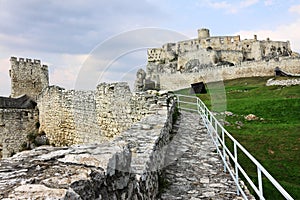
point(28, 76)
point(16, 61)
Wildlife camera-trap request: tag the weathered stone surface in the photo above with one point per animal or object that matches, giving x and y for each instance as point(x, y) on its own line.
point(72, 117)
point(15, 125)
point(125, 168)
point(195, 170)
point(288, 82)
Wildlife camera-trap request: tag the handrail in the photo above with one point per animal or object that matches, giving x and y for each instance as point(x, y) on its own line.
point(213, 126)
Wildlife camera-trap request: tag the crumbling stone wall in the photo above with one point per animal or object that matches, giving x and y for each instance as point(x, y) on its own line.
point(73, 117)
point(15, 125)
point(68, 116)
point(27, 77)
point(178, 81)
point(117, 108)
point(126, 168)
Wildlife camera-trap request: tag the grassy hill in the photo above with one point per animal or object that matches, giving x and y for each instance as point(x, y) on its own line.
point(274, 138)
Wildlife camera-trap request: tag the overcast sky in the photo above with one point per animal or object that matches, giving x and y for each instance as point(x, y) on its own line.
point(66, 35)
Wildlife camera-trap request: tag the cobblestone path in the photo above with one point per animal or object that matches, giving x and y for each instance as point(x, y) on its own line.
point(194, 170)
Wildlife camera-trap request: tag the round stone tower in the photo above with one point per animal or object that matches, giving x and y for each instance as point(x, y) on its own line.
point(203, 33)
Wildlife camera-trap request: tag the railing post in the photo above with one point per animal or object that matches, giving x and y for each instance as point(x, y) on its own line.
point(260, 187)
point(223, 146)
point(216, 131)
point(236, 167)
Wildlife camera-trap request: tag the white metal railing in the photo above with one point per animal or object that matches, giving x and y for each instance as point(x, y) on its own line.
point(218, 134)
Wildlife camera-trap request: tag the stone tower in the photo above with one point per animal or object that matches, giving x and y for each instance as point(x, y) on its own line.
point(27, 77)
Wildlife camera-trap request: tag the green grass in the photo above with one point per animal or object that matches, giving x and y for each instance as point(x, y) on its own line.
point(274, 140)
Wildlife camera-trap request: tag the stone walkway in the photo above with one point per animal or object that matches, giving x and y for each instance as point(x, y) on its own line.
point(194, 170)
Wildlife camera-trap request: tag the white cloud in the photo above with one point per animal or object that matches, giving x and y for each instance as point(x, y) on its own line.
point(220, 5)
point(269, 2)
point(65, 75)
point(230, 7)
point(295, 9)
point(248, 3)
point(283, 32)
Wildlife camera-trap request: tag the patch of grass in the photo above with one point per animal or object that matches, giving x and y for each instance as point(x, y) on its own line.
point(274, 139)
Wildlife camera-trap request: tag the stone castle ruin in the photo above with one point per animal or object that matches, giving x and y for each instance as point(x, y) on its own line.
point(66, 117)
point(111, 143)
point(177, 65)
point(69, 117)
point(91, 158)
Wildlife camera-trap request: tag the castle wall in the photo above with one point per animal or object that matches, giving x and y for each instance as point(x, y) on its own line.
point(73, 117)
point(27, 77)
point(221, 43)
point(154, 54)
point(234, 57)
point(201, 55)
point(126, 168)
point(117, 108)
point(245, 69)
point(15, 125)
point(68, 116)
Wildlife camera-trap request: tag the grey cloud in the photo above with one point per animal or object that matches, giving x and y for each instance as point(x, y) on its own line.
point(71, 26)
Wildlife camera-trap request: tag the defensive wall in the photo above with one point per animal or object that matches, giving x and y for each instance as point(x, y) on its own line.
point(75, 117)
point(128, 167)
point(176, 81)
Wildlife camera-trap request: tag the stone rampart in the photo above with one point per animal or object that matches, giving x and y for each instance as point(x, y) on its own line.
point(74, 117)
point(68, 116)
point(218, 73)
point(126, 168)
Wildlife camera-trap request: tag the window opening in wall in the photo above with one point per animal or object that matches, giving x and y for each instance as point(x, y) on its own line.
point(222, 40)
point(209, 48)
